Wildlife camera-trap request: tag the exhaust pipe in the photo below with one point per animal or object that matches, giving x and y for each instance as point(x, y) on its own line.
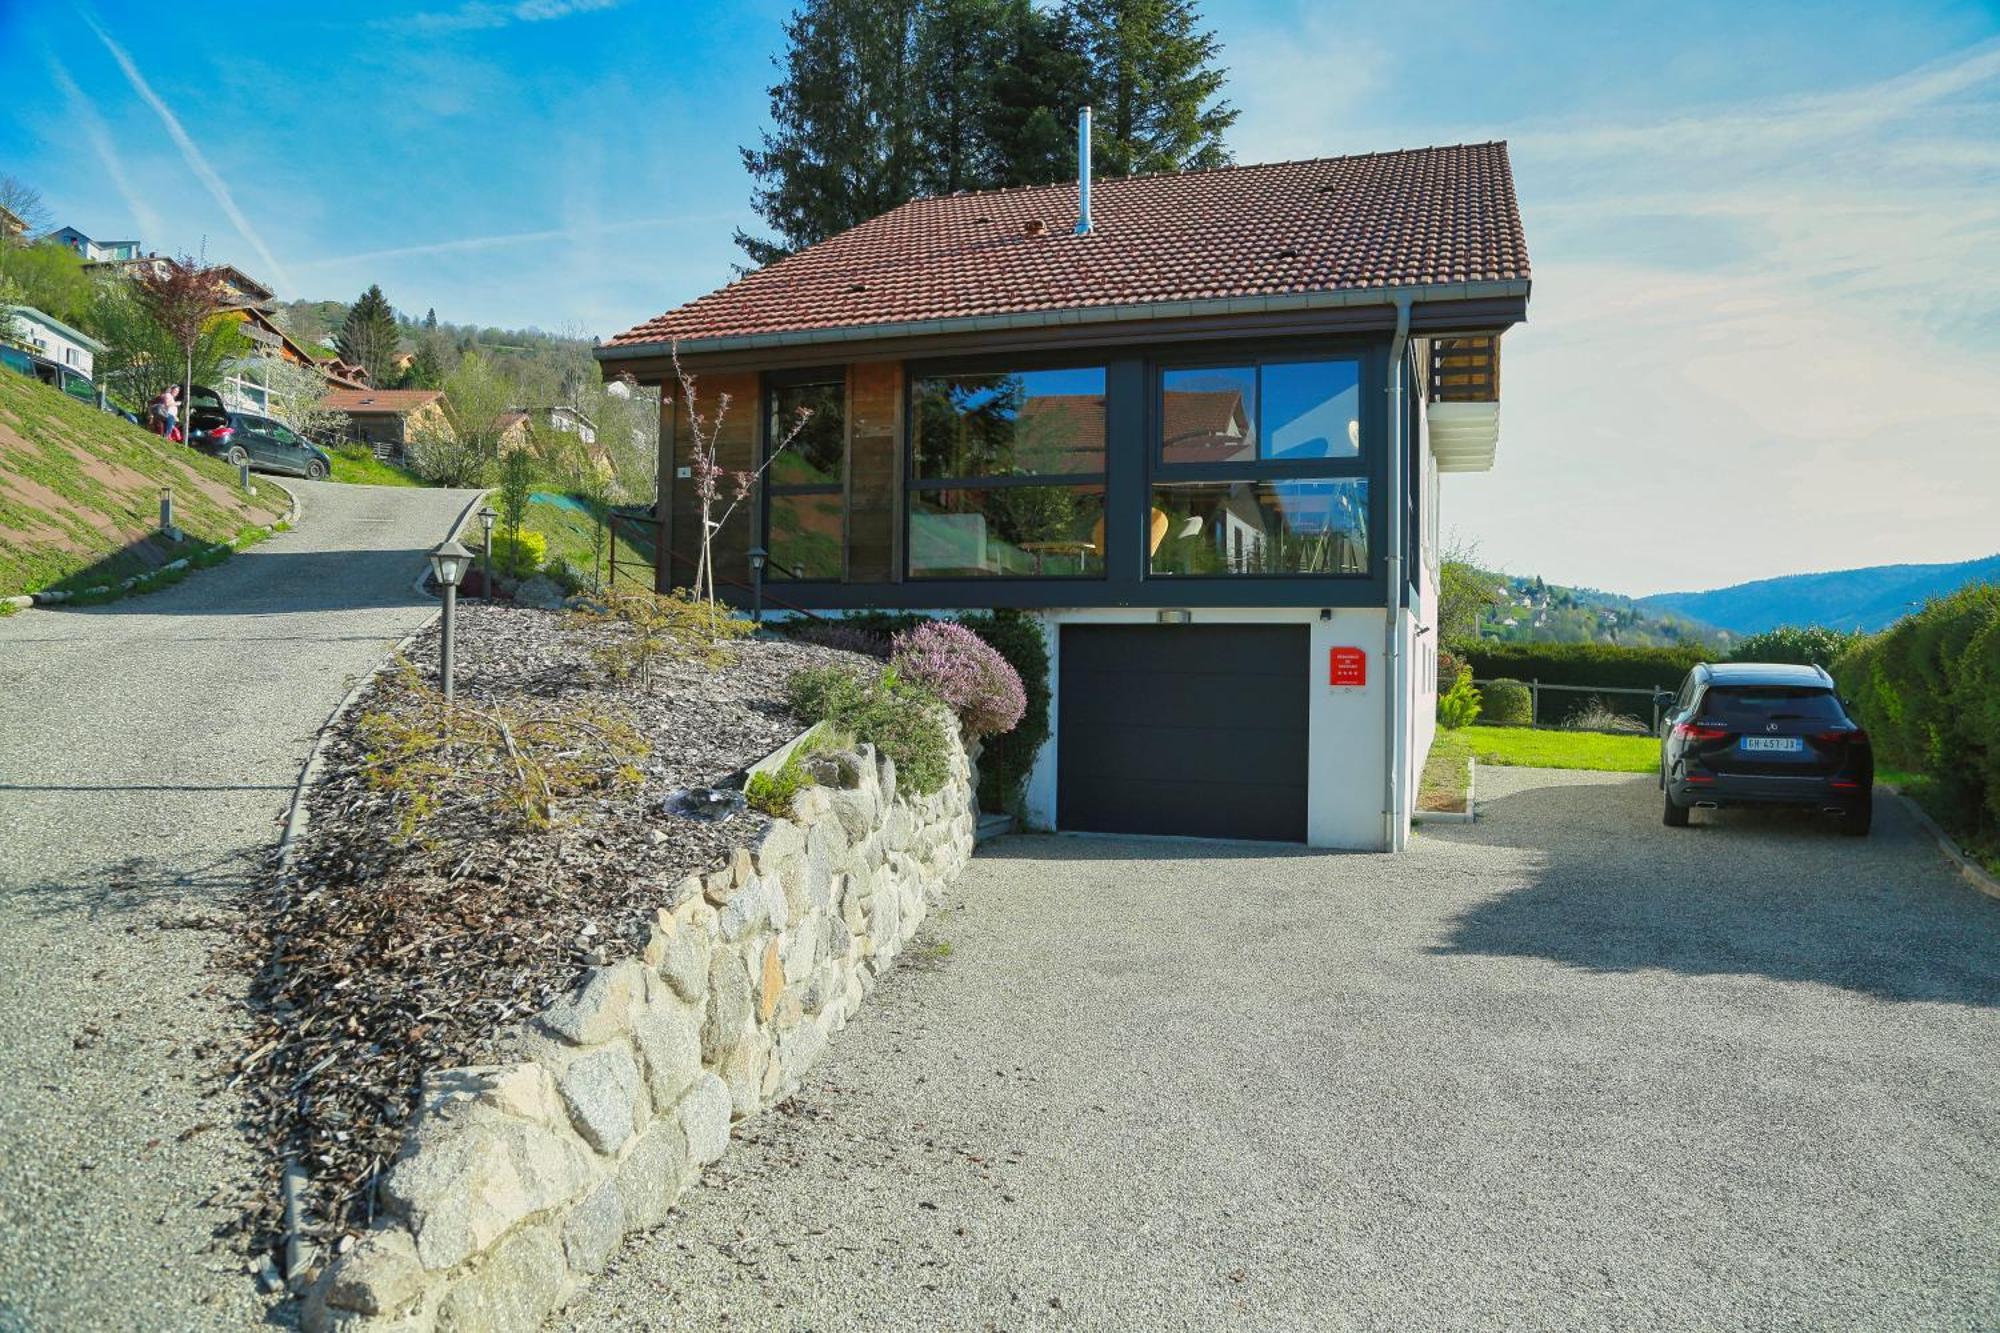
point(1706, 805)
point(1083, 172)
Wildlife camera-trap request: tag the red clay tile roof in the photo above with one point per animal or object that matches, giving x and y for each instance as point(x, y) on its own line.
point(1418, 216)
point(364, 401)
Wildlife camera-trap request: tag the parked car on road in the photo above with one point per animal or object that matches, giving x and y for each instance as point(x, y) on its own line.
point(265, 443)
point(1746, 733)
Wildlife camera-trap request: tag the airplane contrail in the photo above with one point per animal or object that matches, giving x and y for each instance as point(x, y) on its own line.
point(197, 163)
point(465, 243)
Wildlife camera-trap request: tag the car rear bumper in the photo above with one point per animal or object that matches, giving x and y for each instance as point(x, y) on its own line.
point(1746, 789)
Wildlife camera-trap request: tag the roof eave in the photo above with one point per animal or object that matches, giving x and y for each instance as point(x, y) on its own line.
point(1137, 312)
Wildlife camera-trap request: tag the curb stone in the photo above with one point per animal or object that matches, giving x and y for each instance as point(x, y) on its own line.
point(1466, 816)
point(1973, 873)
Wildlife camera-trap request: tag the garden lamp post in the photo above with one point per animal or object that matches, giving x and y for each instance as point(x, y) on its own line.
point(449, 561)
point(486, 517)
point(758, 555)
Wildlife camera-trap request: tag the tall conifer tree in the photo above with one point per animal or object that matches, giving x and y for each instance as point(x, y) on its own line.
point(368, 336)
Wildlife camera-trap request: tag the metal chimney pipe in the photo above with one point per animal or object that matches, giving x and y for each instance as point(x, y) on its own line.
point(1083, 172)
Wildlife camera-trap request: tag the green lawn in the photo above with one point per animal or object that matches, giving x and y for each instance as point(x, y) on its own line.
point(371, 471)
point(1443, 785)
point(572, 536)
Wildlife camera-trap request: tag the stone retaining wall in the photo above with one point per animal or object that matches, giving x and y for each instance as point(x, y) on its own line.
point(519, 1180)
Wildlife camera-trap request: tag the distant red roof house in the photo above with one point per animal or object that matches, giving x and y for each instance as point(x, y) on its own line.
point(1441, 222)
point(385, 418)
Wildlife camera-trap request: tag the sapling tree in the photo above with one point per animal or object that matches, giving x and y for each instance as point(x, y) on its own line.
point(183, 296)
point(706, 471)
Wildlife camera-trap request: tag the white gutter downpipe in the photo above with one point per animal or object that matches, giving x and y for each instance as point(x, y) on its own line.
point(1396, 732)
point(1083, 172)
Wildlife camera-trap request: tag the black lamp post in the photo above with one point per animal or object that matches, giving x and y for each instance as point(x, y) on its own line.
point(449, 561)
point(486, 517)
point(758, 555)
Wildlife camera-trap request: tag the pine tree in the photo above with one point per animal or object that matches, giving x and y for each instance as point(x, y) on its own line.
point(426, 369)
point(369, 335)
point(959, 44)
point(1035, 92)
point(844, 145)
point(431, 320)
point(1153, 87)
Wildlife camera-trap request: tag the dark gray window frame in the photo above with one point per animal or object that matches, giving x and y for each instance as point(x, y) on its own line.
point(769, 383)
point(1366, 466)
point(912, 484)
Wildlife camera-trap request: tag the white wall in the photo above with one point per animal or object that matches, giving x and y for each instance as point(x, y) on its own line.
point(1347, 766)
point(54, 345)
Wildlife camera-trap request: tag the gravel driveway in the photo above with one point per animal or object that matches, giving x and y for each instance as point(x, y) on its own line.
point(1563, 1069)
point(147, 751)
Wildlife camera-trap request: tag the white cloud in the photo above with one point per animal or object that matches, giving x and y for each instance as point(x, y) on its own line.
point(197, 162)
point(480, 15)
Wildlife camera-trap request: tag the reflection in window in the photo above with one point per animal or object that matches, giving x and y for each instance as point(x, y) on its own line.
point(1209, 416)
point(804, 528)
point(817, 455)
point(804, 538)
point(1260, 527)
point(1045, 423)
point(1285, 411)
point(1007, 531)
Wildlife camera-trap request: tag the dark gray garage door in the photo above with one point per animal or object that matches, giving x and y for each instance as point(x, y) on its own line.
point(1192, 730)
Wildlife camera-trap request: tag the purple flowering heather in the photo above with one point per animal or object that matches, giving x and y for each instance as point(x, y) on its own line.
point(977, 683)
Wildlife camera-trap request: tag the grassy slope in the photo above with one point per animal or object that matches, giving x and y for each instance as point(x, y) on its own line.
point(569, 534)
point(371, 471)
point(79, 493)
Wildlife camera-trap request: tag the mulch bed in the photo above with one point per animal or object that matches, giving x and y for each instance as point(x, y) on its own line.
point(381, 959)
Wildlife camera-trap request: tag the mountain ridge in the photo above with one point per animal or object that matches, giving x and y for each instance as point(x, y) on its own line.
point(1870, 598)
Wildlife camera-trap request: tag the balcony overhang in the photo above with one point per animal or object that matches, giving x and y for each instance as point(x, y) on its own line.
point(1465, 436)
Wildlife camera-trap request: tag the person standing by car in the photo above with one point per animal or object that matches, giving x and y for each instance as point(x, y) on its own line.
point(164, 413)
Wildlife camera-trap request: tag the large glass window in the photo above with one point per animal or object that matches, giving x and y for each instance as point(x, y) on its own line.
point(1007, 475)
point(804, 508)
point(1260, 471)
point(1259, 527)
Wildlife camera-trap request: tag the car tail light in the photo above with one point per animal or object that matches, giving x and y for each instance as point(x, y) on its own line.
point(1699, 731)
point(1697, 777)
point(1854, 735)
point(222, 432)
point(1846, 784)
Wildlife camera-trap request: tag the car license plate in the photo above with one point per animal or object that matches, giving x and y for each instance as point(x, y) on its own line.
point(1779, 744)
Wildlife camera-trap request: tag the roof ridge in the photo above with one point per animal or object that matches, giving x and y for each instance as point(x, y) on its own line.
point(1182, 174)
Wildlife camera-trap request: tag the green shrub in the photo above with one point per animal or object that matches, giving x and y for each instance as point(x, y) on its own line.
point(773, 791)
point(519, 554)
point(1928, 690)
point(1807, 645)
point(1600, 664)
point(355, 451)
point(1507, 701)
point(1006, 759)
point(1459, 705)
point(901, 719)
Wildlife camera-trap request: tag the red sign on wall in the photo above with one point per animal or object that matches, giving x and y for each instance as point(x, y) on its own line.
point(1348, 667)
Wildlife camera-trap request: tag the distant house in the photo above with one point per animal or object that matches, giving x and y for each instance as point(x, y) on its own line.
point(513, 429)
point(51, 338)
point(244, 383)
point(10, 224)
point(239, 289)
point(563, 417)
point(387, 418)
point(95, 251)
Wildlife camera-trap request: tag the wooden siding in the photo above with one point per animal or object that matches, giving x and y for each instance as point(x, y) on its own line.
point(874, 470)
point(736, 448)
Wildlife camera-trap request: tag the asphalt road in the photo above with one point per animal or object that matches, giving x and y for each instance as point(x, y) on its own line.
point(147, 751)
point(1563, 1069)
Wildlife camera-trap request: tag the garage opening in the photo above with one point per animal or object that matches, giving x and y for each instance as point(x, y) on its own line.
point(1185, 730)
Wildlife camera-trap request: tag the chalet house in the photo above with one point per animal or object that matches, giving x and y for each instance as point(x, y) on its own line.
point(94, 251)
point(387, 418)
point(49, 337)
point(1193, 424)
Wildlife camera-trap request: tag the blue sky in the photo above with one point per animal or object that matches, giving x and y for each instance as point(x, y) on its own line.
point(1765, 335)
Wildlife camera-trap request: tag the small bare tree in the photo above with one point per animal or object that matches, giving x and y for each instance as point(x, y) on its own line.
point(297, 397)
point(707, 472)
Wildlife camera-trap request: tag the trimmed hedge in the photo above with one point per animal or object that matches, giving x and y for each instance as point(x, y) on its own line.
point(1508, 703)
point(1602, 664)
point(1928, 690)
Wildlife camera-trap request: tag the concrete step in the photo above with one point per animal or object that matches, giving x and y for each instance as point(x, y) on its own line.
point(992, 826)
